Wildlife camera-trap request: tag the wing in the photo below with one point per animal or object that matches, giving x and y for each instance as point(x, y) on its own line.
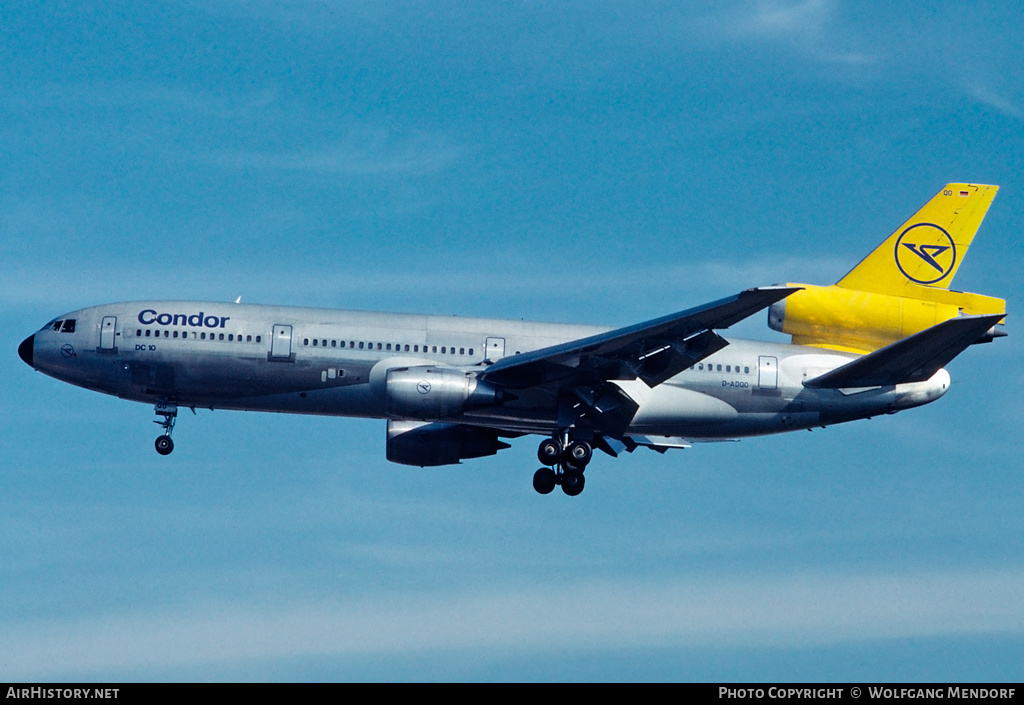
point(653, 351)
point(913, 359)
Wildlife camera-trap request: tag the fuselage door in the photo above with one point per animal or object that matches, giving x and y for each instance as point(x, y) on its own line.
point(107, 328)
point(767, 372)
point(494, 349)
point(281, 342)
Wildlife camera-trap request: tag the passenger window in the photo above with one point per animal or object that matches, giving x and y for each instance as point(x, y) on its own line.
point(378, 346)
point(719, 368)
point(462, 351)
point(471, 351)
point(435, 348)
point(389, 346)
point(148, 331)
point(221, 337)
point(305, 341)
point(315, 341)
point(258, 338)
point(746, 370)
point(202, 336)
point(700, 366)
point(360, 346)
point(248, 338)
point(334, 343)
point(728, 368)
point(231, 337)
point(407, 348)
point(343, 343)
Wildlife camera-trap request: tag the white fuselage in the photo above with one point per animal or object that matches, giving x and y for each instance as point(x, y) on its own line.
point(332, 362)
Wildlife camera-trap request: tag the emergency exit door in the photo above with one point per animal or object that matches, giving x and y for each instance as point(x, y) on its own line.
point(768, 372)
point(108, 327)
point(281, 343)
point(494, 349)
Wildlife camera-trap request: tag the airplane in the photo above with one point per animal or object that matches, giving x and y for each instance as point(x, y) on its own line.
point(452, 388)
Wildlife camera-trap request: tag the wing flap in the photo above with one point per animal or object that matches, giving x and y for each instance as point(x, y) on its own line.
point(913, 359)
point(658, 443)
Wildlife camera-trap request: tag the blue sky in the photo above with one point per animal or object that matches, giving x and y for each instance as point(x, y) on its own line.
point(590, 162)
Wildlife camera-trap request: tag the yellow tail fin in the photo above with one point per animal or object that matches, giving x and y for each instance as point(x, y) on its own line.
point(902, 287)
point(927, 249)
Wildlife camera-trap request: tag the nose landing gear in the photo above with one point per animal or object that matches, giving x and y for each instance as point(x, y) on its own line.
point(169, 412)
point(565, 463)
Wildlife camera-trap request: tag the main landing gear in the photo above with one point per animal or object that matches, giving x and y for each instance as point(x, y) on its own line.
point(565, 463)
point(164, 444)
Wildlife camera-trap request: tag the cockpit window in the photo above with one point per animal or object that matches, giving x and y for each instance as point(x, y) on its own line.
point(61, 326)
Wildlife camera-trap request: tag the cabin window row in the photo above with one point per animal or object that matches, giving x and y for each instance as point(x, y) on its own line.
point(718, 368)
point(397, 347)
point(228, 337)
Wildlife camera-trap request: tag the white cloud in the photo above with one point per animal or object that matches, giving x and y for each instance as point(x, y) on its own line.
point(783, 20)
point(798, 610)
point(365, 152)
point(810, 27)
point(993, 99)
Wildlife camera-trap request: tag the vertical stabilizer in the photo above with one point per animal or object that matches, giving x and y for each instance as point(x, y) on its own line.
point(927, 249)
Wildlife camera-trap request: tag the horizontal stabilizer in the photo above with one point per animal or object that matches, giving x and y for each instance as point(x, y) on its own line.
point(913, 359)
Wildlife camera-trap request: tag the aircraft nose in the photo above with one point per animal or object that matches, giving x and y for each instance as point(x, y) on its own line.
point(26, 350)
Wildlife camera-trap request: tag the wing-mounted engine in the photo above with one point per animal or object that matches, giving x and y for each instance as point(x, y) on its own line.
point(432, 393)
point(432, 444)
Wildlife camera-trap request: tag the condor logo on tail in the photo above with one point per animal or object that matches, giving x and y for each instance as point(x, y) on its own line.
point(931, 246)
point(902, 287)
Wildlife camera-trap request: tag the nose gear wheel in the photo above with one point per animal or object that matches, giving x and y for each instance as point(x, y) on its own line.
point(164, 445)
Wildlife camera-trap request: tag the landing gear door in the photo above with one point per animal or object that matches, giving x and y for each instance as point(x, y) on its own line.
point(494, 349)
point(767, 372)
point(108, 326)
point(281, 343)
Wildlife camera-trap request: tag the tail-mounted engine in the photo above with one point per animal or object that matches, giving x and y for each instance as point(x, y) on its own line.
point(863, 321)
point(436, 393)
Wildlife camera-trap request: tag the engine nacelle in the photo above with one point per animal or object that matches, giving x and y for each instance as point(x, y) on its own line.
point(433, 444)
point(863, 321)
point(436, 393)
